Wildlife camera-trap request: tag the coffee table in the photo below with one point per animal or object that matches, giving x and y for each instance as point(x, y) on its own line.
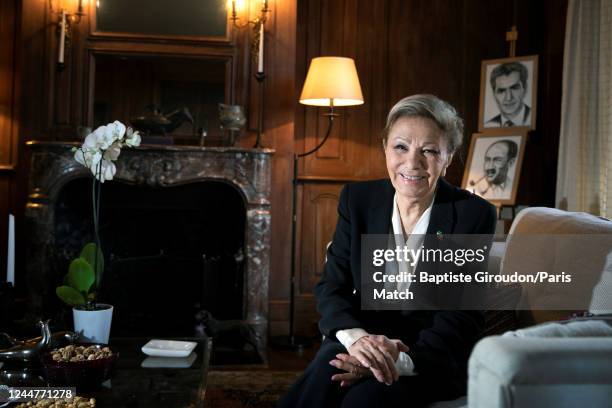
point(137, 382)
point(142, 381)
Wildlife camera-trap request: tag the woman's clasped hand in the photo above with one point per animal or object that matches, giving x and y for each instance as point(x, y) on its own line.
point(372, 355)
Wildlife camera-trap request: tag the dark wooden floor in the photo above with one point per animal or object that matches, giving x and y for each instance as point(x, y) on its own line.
point(285, 360)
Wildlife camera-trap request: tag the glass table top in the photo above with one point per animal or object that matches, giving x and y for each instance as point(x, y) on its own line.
point(139, 380)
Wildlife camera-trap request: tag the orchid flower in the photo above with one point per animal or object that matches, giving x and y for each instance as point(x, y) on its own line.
point(103, 146)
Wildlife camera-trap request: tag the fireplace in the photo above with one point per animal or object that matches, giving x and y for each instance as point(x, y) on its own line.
point(184, 230)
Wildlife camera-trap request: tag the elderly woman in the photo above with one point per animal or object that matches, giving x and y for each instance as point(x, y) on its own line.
point(395, 358)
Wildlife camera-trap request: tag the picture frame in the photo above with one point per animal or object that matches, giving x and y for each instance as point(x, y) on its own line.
point(514, 101)
point(493, 166)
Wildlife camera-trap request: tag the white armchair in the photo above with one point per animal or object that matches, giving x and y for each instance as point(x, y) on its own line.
point(532, 371)
point(541, 372)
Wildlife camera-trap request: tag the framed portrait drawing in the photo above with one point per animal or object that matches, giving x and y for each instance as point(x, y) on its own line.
point(508, 93)
point(493, 165)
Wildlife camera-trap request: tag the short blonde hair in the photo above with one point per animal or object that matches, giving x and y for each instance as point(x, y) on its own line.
point(441, 112)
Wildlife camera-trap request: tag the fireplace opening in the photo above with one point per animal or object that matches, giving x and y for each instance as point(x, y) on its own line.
point(173, 254)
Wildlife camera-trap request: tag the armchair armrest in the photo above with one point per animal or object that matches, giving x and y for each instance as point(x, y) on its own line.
point(525, 372)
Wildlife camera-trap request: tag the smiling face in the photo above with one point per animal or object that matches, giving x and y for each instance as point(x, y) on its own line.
point(417, 155)
point(509, 93)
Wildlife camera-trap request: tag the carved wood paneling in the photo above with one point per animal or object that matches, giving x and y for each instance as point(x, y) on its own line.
point(64, 96)
point(345, 28)
point(9, 117)
point(34, 71)
point(279, 114)
point(307, 318)
point(8, 84)
point(318, 205)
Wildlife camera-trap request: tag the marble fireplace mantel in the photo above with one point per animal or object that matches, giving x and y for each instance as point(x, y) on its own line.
point(52, 166)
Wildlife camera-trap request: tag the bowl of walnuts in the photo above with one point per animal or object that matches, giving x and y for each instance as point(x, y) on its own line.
point(79, 365)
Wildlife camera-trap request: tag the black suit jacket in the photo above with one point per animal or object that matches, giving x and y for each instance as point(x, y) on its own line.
point(440, 341)
point(497, 120)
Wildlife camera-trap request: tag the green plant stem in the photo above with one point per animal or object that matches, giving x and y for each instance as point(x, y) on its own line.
point(96, 191)
point(98, 241)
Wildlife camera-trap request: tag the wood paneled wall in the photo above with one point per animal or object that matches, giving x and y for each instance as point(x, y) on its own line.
point(9, 112)
point(279, 118)
point(402, 48)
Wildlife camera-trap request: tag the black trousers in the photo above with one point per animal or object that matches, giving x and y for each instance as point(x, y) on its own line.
point(316, 389)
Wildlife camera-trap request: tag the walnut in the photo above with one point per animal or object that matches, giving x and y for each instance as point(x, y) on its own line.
point(81, 353)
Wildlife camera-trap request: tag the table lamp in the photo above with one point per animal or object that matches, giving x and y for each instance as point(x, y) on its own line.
point(331, 82)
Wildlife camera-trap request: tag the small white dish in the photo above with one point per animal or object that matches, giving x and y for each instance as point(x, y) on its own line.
point(169, 362)
point(168, 348)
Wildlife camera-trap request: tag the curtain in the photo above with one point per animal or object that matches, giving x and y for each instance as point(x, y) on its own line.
point(585, 145)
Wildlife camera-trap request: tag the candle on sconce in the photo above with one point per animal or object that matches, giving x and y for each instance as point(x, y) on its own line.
point(62, 40)
point(260, 55)
point(10, 261)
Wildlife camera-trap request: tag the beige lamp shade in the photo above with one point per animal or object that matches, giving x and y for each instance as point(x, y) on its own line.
point(332, 78)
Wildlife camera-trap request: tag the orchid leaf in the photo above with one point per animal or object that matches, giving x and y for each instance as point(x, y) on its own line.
point(89, 254)
point(70, 295)
point(81, 275)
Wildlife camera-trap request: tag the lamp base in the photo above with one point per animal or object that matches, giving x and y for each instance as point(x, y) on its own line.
point(287, 342)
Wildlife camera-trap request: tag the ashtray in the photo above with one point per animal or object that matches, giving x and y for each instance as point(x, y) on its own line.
point(168, 348)
point(83, 374)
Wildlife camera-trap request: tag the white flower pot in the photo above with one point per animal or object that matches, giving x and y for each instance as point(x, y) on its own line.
point(93, 325)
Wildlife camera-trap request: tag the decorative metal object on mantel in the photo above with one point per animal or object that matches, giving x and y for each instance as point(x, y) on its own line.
point(257, 52)
point(232, 118)
point(153, 122)
point(331, 81)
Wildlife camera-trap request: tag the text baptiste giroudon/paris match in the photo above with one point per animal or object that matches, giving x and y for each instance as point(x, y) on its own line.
point(459, 257)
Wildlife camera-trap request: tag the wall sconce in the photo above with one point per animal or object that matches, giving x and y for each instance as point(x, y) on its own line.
point(257, 44)
point(64, 25)
point(257, 52)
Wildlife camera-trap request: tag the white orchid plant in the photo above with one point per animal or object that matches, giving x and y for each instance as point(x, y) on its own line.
point(102, 148)
point(98, 153)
